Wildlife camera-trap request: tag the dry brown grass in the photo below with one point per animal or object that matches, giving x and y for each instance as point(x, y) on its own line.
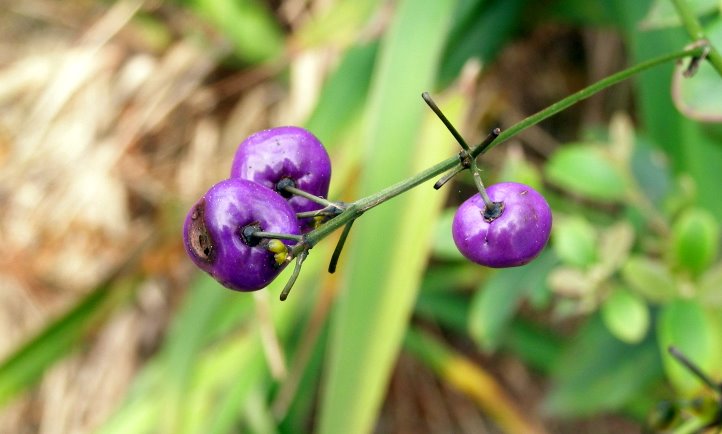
point(107, 131)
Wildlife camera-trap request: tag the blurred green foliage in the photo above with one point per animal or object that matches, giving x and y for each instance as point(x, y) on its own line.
point(633, 265)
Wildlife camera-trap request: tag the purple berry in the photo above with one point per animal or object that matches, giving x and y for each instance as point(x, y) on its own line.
point(269, 156)
point(513, 238)
point(214, 237)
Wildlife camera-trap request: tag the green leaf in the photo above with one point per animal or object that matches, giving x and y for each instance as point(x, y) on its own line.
point(710, 287)
point(391, 243)
point(344, 94)
point(588, 171)
point(651, 170)
point(470, 36)
point(537, 347)
point(259, 417)
point(585, 13)
point(698, 97)
point(574, 240)
point(248, 24)
point(452, 277)
point(188, 335)
point(682, 196)
point(571, 282)
point(626, 315)
point(599, 373)
point(649, 278)
point(301, 410)
point(695, 241)
point(339, 25)
point(516, 168)
point(448, 309)
point(663, 13)
point(615, 244)
point(686, 325)
point(444, 246)
point(495, 303)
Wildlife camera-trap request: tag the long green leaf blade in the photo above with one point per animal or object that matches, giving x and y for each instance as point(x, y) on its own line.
point(389, 243)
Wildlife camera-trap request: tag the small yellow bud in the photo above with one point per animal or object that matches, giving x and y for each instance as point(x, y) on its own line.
point(280, 257)
point(276, 246)
point(280, 250)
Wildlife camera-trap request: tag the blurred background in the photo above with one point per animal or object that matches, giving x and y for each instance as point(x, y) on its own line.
point(117, 116)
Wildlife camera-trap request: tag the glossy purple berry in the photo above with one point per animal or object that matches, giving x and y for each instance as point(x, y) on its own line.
point(513, 238)
point(217, 239)
point(270, 156)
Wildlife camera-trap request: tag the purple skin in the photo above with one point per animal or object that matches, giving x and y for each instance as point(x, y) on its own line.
point(269, 156)
point(213, 228)
point(514, 238)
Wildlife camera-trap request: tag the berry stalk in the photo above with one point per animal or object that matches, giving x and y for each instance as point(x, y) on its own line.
point(585, 93)
point(276, 236)
point(355, 209)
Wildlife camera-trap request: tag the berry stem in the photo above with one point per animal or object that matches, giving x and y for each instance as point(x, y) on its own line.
point(329, 211)
point(353, 210)
point(339, 246)
point(480, 185)
point(492, 210)
point(276, 236)
point(493, 134)
point(312, 197)
point(446, 178)
point(449, 126)
point(296, 271)
point(465, 159)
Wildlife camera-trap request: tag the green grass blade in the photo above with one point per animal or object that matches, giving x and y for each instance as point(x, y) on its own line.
point(249, 26)
point(339, 25)
point(344, 95)
point(60, 337)
point(390, 243)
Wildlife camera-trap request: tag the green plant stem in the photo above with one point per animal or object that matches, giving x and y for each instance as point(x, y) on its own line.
point(339, 246)
point(296, 271)
point(586, 93)
point(696, 32)
point(449, 126)
point(355, 209)
point(480, 185)
point(311, 197)
point(277, 236)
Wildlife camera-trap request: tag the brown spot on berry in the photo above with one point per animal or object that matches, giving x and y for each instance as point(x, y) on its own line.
point(200, 240)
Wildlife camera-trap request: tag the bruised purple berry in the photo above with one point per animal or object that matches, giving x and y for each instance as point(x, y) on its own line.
point(515, 237)
point(283, 154)
point(218, 233)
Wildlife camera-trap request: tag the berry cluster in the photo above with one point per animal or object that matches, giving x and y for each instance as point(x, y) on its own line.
point(240, 230)
point(273, 208)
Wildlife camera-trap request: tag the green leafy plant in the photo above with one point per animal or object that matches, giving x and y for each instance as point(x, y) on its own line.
point(632, 268)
